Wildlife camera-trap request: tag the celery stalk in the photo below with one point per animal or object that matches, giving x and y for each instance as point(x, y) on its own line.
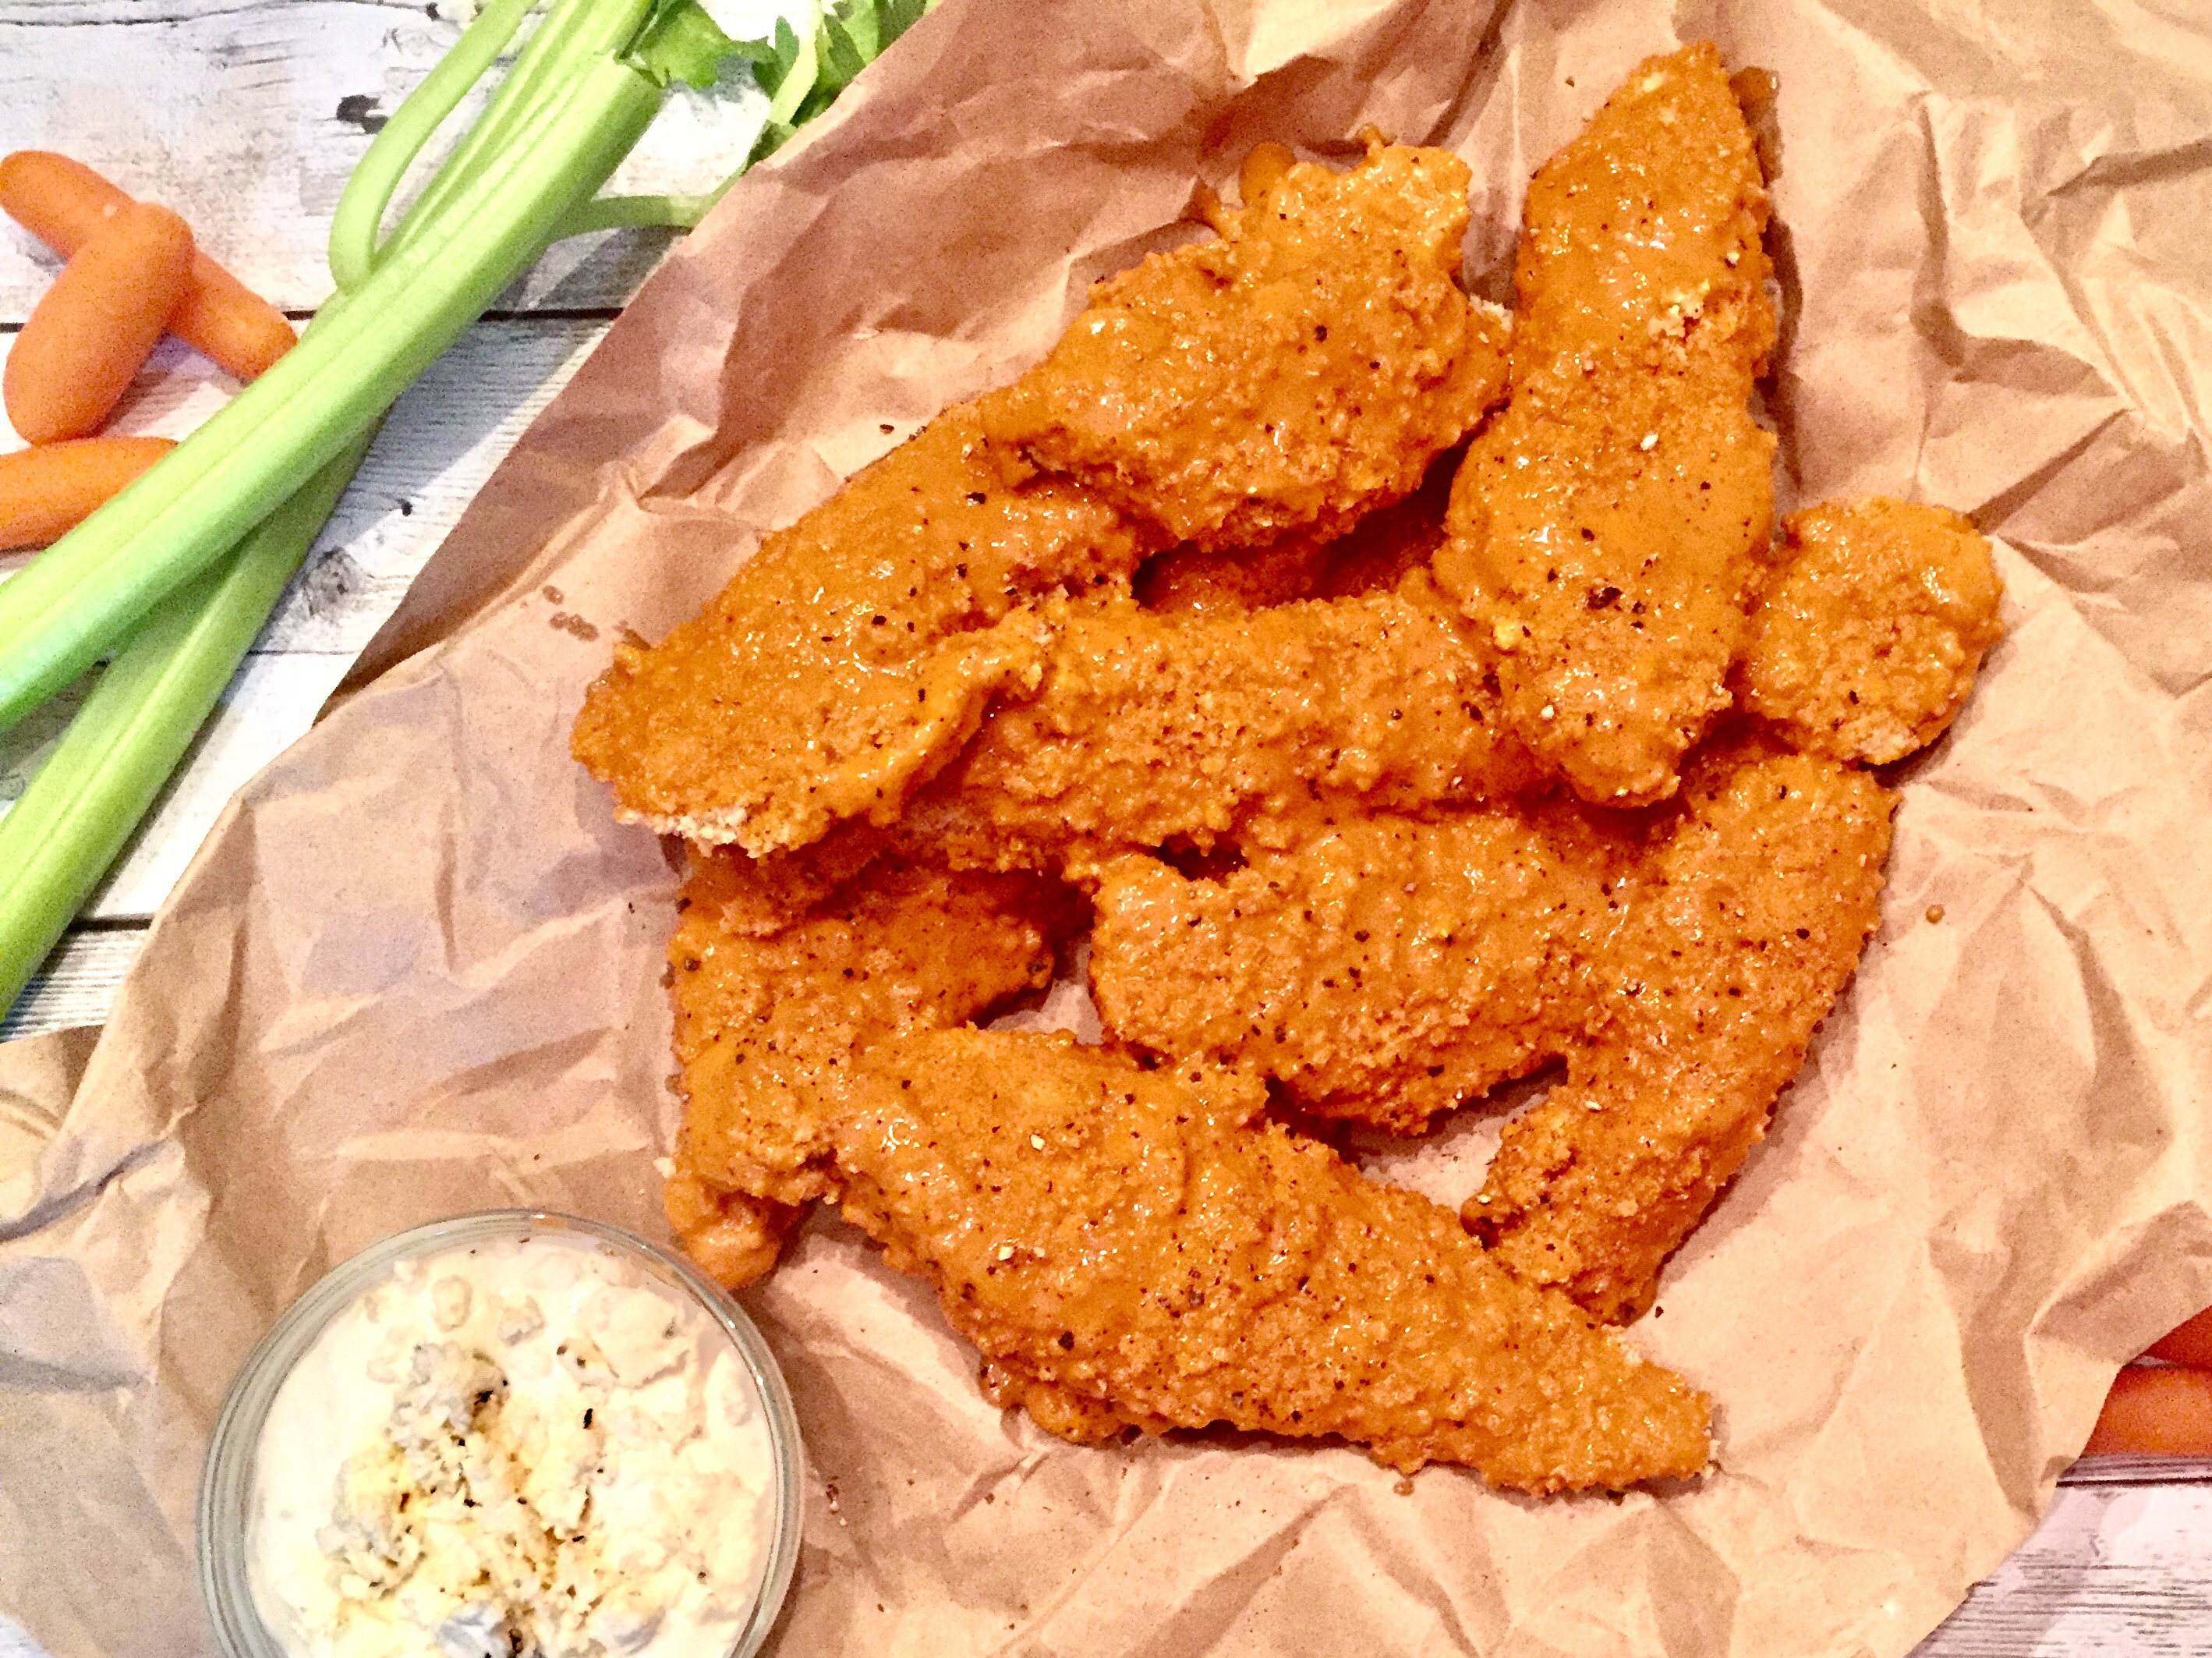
point(360, 209)
point(89, 588)
point(87, 800)
point(191, 557)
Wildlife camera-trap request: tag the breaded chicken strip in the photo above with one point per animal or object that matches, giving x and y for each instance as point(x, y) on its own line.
point(759, 897)
point(855, 653)
point(1290, 376)
point(1760, 904)
point(1608, 528)
point(1868, 639)
point(1149, 728)
point(1191, 579)
point(1125, 1250)
point(766, 1027)
point(1372, 557)
point(733, 1236)
point(1384, 969)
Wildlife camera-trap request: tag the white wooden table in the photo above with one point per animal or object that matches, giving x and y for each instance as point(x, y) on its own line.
point(247, 116)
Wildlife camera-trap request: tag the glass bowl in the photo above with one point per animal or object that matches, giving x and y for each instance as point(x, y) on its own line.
point(226, 1478)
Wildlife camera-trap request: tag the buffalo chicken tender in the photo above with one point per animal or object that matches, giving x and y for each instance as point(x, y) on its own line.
point(1148, 728)
point(855, 652)
point(1194, 580)
point(1383, 969)
point(1373, 556)
point(1608, 527)
point(1867, 641)
point(1127, 1252)
point(733, 1236)
point(768, 1027)
point(1758, 908)
point(1298, 371)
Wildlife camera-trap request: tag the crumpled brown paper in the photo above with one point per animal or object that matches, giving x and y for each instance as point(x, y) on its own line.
point(416, 969)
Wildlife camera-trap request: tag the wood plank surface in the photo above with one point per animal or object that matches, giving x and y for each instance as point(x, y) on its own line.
point(78, 984)
point(440, 444)
point(247, 115)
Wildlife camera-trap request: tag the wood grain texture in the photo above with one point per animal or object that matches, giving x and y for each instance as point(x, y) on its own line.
point(440, 444)
point(230, 111)
point(246, 117)
point(2116, 1570)
point(77, 986)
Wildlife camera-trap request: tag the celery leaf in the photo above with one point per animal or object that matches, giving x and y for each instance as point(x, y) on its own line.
point(680, 42)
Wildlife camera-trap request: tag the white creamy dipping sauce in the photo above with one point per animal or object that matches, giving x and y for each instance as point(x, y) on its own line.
point(524, 1448)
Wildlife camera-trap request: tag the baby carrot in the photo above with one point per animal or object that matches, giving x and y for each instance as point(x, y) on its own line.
point(44, 491)
point(62, 201)
point(2187, 1343)
point(91, 331)
point(2154, 1411)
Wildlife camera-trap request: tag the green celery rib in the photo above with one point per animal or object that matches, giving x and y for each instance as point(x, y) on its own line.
point(633, 212)
point(367, 193)
point(90, 589)
point(560, 121)
point(570, 33)
point(95, 584)
point(87, 800)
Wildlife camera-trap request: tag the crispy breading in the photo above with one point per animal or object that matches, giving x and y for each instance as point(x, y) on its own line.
point(1868, 637)
point(855, 653)
point(768, 1027)
point(1126, 1250)
point(733, 1236)
point(1150, 728)
point(1758, 906)
point(1608, 527)
point(1373, 556)
point(758, 897)
point(1192, 580)
point(1384, 969)
point(1291, 375)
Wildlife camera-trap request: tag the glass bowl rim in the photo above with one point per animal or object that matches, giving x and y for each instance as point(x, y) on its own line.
point(227, 1469)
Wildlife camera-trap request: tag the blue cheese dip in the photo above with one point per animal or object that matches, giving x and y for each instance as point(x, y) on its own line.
point(522, 1449)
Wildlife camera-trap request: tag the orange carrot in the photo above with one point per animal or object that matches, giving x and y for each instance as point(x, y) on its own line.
point(2154, 1411)
point(91, 331)
point(62, 201)
point(2187, 1343)
point(46, 491)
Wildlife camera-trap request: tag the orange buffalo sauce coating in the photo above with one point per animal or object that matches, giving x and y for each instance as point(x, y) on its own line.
point(1128, 1248)
point(1868, 639)
point(1147, 728)
point(1608, 529)
point(1387, 968)
point(767, 1027)
point(1299, 371)
point(855, 653)
point(1384, 969)
point(1373, 555)
point(1753, 916)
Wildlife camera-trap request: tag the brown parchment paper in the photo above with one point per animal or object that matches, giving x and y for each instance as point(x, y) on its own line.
point(416, 971)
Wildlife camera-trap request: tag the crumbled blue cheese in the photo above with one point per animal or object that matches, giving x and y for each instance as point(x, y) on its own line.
point(520, 1450)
